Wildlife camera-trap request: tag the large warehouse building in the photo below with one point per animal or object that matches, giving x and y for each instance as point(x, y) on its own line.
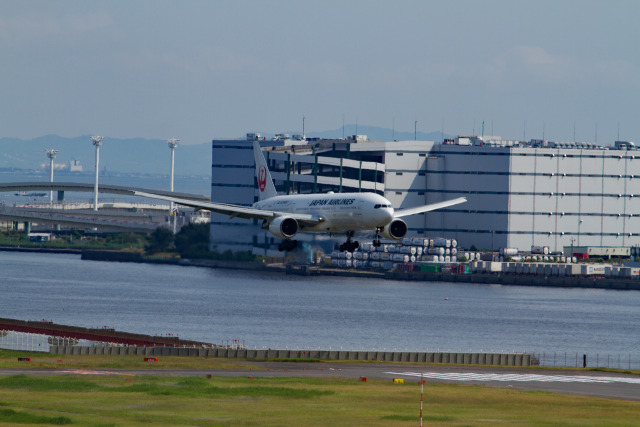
point(520, 194)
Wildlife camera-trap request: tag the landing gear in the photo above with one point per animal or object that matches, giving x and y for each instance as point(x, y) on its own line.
point(376, 241)
point(288, 245)
point(349, 245)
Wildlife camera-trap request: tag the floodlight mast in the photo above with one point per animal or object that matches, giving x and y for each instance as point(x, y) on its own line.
point(97, 141)
point(51, 154)
point(172, 143)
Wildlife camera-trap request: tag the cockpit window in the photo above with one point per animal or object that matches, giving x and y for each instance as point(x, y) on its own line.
point(381, 206)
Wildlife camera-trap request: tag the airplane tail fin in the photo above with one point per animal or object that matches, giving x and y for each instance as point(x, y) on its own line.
point(265, 182)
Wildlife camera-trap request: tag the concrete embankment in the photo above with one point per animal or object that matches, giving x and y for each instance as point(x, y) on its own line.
point(519, 280)
point(494, 359)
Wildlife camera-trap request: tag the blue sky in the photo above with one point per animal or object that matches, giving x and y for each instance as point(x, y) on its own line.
point(198, 70)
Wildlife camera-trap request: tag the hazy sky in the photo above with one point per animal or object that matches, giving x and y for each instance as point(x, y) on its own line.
point(198, 70)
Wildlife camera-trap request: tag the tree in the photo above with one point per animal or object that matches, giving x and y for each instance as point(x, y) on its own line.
point(160, 240)
point(193, 241)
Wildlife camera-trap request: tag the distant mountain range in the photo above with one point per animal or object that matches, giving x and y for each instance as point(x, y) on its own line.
point(151, 156)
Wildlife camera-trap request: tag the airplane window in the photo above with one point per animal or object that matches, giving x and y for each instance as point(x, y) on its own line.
point(376, 207)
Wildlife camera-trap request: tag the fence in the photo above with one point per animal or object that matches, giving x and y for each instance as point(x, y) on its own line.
point(42, 343)
point(627, 361)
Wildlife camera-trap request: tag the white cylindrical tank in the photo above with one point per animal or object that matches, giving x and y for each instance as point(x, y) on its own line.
point(508, 251)
point(436, 251)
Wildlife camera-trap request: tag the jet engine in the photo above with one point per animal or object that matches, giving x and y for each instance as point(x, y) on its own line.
point(284, 227)
point(395, 230)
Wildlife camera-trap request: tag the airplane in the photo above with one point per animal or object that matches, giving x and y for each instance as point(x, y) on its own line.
point(287, 215)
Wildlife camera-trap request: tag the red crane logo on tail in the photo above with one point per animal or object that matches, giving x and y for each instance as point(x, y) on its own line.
point(262, 178)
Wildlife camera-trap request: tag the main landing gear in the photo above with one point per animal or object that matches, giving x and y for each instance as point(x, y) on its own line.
point(349, 245)
point(287, 245)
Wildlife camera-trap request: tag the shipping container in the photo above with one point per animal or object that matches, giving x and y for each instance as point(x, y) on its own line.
point(495, 267)
point(592, 269)
point(430, 268)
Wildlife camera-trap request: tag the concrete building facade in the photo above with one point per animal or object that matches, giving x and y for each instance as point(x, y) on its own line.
point(519, 194)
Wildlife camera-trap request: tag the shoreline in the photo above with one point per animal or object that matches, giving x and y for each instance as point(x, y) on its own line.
point(318, 270)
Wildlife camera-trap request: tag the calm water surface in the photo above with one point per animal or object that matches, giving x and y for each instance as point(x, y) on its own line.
point(279, 311)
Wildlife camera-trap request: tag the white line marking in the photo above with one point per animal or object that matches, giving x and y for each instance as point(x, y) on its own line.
point(471, 376)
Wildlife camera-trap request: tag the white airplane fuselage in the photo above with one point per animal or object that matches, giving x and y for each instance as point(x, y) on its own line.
point(341, 212)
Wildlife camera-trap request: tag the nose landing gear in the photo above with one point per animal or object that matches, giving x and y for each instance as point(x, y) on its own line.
point(376, 241)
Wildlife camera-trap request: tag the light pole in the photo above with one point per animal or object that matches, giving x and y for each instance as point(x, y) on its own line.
point(173, 143)
point(51, 154)
point(97, 141)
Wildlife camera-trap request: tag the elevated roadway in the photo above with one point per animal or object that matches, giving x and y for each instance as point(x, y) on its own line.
point(81, 216)
point(102, 188)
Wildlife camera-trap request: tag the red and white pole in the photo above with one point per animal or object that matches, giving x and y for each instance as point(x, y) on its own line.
point(421, 398)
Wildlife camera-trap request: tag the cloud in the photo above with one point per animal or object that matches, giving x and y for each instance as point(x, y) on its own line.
point(16, 30)
point(535, 64)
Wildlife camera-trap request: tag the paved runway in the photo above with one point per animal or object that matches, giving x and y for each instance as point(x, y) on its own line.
point(586, 383)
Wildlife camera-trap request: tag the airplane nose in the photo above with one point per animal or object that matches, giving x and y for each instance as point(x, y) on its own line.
point(389, 214)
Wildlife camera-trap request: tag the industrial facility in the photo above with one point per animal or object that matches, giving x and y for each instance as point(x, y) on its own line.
point(520, 194)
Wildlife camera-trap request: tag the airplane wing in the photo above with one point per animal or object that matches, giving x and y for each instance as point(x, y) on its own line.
point(234, 210)
point(427, 208)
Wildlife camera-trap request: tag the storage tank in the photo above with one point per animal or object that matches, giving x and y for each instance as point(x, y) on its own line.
point(440, 242)
point(508, 252)
point(540, 250)
point(436, 251)
point(397, 258)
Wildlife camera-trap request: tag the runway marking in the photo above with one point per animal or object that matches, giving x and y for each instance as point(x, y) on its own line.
point(471, 376)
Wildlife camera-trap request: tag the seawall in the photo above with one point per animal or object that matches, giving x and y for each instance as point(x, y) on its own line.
point(493, 359)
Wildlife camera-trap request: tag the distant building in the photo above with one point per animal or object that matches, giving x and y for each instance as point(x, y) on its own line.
point(520, 194)
point(75, 166)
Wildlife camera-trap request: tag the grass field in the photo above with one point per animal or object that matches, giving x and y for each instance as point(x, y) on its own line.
point(115, 400)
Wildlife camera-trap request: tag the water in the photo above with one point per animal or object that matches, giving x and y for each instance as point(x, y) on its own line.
point(278, 311)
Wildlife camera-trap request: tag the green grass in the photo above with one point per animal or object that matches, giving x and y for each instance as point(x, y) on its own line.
point(11, 416)
point(161, 400)
point(114, 400)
